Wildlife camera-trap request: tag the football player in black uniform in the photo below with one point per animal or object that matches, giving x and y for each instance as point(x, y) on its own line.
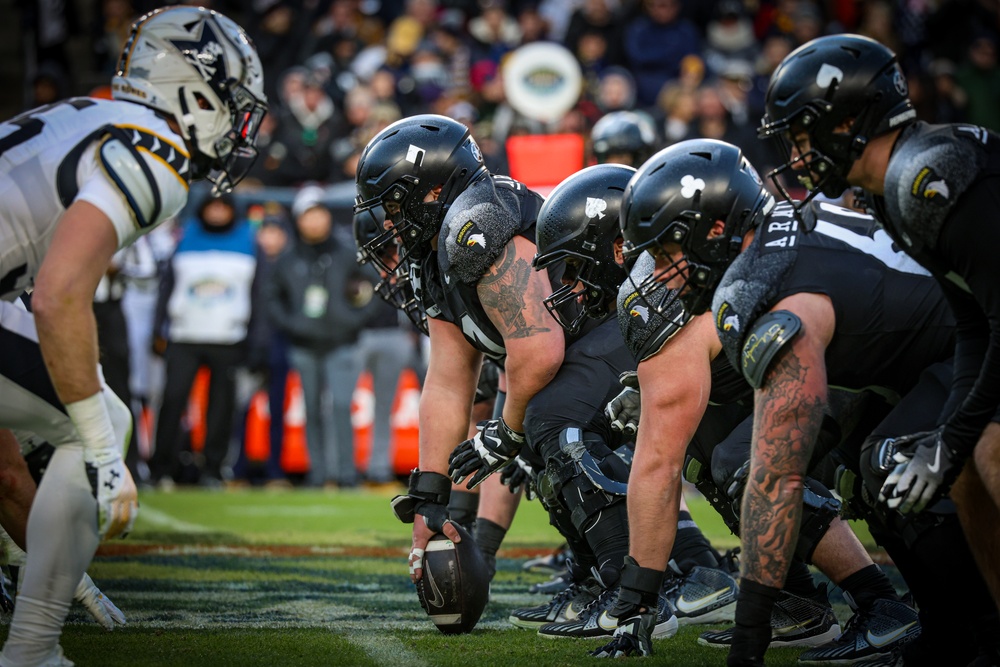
point(578, 225)
point(672, 361)
point(396, 288)
point(841, 106)
point(799, 309)
point(470, 237)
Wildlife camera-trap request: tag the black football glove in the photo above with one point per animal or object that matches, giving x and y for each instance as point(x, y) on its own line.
point(635, 610)
point(623, 410)
point(493, 446)
point(428, 496)
point(926, 468)
point(517, 475)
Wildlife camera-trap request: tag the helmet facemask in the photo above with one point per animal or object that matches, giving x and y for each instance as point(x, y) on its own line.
point(585, 292)
point(698, 268)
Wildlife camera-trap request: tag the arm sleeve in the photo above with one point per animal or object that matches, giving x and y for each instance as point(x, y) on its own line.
point(968, 245)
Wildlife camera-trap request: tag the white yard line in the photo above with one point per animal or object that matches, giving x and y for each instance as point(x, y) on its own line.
point(384, 649)
point(164, 520)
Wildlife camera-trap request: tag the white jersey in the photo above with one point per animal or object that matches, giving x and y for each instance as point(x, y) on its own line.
point(121, 157)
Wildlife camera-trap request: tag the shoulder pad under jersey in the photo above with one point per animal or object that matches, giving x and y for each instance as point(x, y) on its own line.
point(645, 331)
point(929, 170)
point(754, 279)
point(151, 173)
point(476, 229)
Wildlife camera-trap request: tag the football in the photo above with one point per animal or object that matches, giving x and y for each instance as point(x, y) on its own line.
point(455, 584)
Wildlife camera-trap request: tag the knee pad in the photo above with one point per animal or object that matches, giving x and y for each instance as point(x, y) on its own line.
point(819, 509)
point(582, 474)
point(698, 474)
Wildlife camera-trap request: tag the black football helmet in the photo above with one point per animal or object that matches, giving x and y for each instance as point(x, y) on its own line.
point(395, 287)
point(676, 198)
point(401, 165)
point(623, 132)
point(841, 91)
point(578, 224)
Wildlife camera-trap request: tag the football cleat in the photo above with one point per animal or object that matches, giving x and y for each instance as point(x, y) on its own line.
point(554, 563)
point(703, 595)
point(596, 620)
point(874, 636)
point(567, 605)
point(795, 622)
point(557, 583)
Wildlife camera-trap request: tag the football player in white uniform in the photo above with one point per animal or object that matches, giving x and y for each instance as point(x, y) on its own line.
point(80, 179)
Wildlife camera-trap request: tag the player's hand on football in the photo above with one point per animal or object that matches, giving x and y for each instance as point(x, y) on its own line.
point(422, 533)
point(624, 409)
point(114, 489)
point(517, 475)
point(477, 458)
point(97, 603)
point(926, 467)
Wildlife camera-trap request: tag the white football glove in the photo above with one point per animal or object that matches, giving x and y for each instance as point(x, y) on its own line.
point(624, 409)
point(114, 489)
point(100, 607)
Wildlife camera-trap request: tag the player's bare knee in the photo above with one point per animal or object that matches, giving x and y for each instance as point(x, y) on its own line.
point(15, 482)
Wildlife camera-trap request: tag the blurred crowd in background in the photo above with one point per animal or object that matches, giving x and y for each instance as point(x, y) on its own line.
point(264, 282)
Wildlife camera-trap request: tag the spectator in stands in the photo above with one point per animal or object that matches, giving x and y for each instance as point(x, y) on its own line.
point(979, 77)
point(495, 32)
point(306, 130)
point(316, 298)
point(268, 353)
point(655, 42)
point(203, 318)
point(594, 16)
point(679, 107)
point(729, 37)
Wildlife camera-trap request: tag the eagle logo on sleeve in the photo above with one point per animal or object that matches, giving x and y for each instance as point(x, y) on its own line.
point(471, 236)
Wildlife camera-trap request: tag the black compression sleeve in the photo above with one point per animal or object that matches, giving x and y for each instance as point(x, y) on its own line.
point(968, 246)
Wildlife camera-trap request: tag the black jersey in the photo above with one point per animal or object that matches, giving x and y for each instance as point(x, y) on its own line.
point(476, 229)
point(941, 194)
point(892, 319)
point(646, 332)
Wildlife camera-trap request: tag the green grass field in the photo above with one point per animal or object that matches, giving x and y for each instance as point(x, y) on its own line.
point(312, 578)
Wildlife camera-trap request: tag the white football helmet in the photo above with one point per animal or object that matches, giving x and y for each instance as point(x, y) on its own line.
point(200, 68)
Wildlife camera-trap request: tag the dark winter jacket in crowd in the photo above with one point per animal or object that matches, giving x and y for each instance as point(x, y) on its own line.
point(318, 296)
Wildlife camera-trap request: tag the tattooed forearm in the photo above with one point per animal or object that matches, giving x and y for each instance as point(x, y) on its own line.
point(788, 412)
point(507, 295)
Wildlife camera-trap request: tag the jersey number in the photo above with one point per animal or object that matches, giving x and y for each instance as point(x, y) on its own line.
point(30, 125)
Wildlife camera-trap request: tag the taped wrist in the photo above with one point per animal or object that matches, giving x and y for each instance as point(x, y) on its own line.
point(640, 587)
point(426, 488)
point(92, 421)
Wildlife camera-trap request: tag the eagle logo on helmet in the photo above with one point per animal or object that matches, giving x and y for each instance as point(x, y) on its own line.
point(203, 53)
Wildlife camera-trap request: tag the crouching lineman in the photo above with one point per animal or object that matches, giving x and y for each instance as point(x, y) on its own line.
point(578, 226)
point(471, 235)
point(840, 105)
point(796, 311)
point(592, 249)
point(81, 179)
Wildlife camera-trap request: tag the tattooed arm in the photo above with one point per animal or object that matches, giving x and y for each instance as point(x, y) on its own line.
point(511, 294)
point(788, 412)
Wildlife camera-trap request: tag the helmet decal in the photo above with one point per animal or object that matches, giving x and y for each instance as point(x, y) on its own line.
point(204, 52)
point(595, 207)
